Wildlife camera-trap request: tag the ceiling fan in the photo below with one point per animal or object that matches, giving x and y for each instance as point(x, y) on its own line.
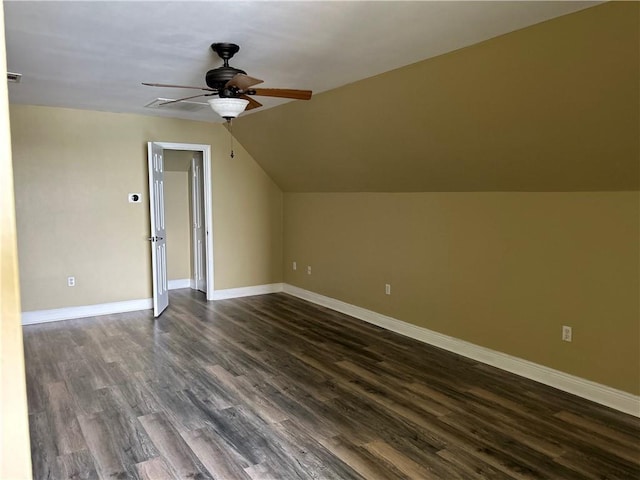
point(232, 87)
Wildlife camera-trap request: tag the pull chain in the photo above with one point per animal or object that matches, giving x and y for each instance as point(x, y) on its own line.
point(231, 135)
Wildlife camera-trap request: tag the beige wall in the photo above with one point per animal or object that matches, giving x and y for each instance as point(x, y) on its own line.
point(73, 170)
point(252, 205)
point(177, 213)
point(15, 455)
point(500, 270)
point(552, 107)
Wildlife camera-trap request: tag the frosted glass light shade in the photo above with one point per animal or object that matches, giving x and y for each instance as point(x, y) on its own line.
point(228, 107)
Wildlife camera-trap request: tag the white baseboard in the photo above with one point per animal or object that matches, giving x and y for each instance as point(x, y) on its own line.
point(602, 394)
point(247, 291)
point(181, 283)
point(68, 313)
point(42, 316)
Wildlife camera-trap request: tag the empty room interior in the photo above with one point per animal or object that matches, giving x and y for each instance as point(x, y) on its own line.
point(413, 251)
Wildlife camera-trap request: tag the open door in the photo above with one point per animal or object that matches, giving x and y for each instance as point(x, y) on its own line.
point(158, 232)
point(198, 231)
point(156, 205)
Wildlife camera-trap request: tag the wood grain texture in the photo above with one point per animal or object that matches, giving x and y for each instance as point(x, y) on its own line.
point(154, 469)
point(173, 448)
point(272, 387)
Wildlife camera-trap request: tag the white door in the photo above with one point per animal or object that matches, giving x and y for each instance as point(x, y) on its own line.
point(158, 232)
point(198, 228)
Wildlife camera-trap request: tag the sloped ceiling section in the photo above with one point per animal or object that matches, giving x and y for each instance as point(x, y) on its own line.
point(553, 107)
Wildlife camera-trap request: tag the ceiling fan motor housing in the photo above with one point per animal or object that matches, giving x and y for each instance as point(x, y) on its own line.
point(218, 77)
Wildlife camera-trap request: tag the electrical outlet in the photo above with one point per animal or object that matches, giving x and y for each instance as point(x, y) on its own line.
point(71, 281)
point(295, 266)
point(387, 289)
point(308, 270)
point(567, 334)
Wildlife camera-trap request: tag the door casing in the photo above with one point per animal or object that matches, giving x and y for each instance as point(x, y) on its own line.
point(198, 229)
point(208, 208)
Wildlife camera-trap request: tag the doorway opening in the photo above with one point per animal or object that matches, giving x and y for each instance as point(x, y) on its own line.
point(181, 220)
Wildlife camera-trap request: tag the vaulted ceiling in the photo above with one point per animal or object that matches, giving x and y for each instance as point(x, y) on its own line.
point(408, 96)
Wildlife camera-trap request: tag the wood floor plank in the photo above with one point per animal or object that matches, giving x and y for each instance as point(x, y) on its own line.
point(41, 370)
point(310, 412)
point(220, 460)
point(393, 389)
point(44, 450)
point(141, 398)
point(64, 424)
point(257, 442)
point(470, 465)
point(180, 407)
point(360, 459)
point(599, 468)
point(407, 466)
point(616, 442)
point(517, 458)
point(36, 383)
point(78, 465)
point(154, 469)
point(105, 447)
point(245, 394)
point(80, 382)
point(316, 461)
point(272, 387)
point(258, 472)
point(567, 436)
point(181, 459)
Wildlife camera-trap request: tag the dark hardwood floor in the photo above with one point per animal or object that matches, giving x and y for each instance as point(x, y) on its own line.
point(272, 387)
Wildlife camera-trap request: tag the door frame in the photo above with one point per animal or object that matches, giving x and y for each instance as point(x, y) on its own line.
point(199, 262)
point(208, 202)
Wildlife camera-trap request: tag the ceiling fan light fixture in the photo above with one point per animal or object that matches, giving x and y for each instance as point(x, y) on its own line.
point(228, 108)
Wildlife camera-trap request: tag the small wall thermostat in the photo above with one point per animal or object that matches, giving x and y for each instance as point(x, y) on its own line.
point(135, 198)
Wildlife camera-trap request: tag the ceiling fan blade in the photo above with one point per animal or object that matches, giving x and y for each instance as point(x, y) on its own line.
point(186, 98)
point(178, 86)
point(242, 81)
point(252, 103)
point(282, 93)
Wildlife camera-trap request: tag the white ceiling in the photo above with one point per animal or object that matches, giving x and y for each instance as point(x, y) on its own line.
point(94, 55)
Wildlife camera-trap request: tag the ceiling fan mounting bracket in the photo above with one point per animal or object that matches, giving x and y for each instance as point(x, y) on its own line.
point(225, 51)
